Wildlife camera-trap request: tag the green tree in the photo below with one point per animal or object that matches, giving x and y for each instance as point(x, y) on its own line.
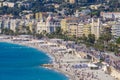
point(91, 38)
point(118, 41)
point(58, 31)
point(83, 38)
point(39, 36)
point(99, 45)
point(7, 31)
point(106, 36)
point(44, 32)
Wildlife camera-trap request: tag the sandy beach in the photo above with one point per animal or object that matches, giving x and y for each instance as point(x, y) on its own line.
point(65, 60)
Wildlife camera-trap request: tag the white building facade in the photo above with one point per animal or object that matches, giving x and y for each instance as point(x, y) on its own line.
point(116, 30)
point(95, 28)
point(49, 25)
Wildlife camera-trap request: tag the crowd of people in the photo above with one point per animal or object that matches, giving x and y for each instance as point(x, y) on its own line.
point(110, 59)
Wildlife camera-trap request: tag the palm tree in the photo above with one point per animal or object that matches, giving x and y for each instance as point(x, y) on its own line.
point(44, 32)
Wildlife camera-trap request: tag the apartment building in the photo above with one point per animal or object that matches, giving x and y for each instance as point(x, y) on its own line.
point(95, 27)
point(111, 15)
point(116, 30)
point(49, 25)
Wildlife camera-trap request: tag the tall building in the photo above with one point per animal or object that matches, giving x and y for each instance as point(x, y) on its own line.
point(40, 15)
point(31, 24)
point(13, 24)
point(6, 23)
point(41, 26)
point(72, 29)
point(72, 26)
point(95, 27)
point(64, 25)
point(52, 24)
point(80, 30)
point(116, 30)
point(37, 16)
point(49, 25)
point(86, 29)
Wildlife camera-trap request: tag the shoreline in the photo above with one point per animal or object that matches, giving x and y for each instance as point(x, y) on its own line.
point(51, 56)
point(62, 61)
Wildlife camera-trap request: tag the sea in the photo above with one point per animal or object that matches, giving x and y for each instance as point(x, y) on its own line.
point(23, 63)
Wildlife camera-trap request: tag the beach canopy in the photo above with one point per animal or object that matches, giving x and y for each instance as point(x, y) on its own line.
point(92, 65)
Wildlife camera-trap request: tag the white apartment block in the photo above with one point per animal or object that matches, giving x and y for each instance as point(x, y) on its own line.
point(95, 28)
point(41, 26)
point(0, 4)
point(6, 23)
point(80, 29)
point(13, 24)
point(49, 25)
point(116, 30)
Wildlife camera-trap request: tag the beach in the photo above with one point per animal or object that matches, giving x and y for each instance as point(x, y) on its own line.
point(64, 60)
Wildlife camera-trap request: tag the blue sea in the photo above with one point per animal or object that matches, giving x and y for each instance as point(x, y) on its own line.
point(23, 63)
